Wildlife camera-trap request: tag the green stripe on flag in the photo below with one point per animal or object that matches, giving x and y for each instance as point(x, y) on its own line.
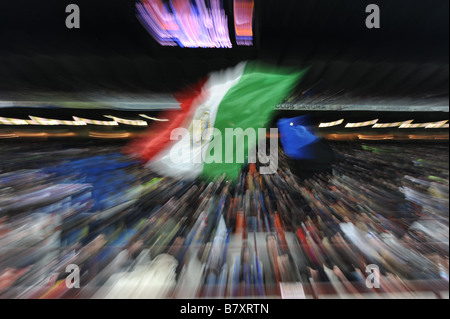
point(249, 104)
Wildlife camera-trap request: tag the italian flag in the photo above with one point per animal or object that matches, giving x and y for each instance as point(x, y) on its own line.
point(240, 97)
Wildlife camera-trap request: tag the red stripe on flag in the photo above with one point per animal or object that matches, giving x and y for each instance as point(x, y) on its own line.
point(157, 137)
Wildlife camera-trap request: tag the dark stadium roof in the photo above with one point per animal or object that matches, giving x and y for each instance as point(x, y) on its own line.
point(112, 55)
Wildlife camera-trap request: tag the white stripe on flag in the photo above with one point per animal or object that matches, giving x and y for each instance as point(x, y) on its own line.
point(200, 124)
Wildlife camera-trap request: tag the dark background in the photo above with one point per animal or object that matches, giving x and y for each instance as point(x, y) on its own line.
point(113, 54)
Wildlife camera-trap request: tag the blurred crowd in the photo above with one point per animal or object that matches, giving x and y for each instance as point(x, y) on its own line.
point(130, 233)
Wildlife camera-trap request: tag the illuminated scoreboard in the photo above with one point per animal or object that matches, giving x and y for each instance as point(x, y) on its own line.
point(197, 23)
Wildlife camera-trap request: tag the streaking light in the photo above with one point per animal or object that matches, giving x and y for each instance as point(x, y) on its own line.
point(31, 134)
point(11, 121)
point(243, 21)
point(338, 137)
point(109, 135)
point(361, 124)
point(386, 125)
point(43, 121)
point(328, 124)
point(34, 120)
point(128, 122)
point(376, 137)
point(96, 122)
point(185, 23)
point(428, 137)
point(439, 124)
point(153, 118)
point(8, 135)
